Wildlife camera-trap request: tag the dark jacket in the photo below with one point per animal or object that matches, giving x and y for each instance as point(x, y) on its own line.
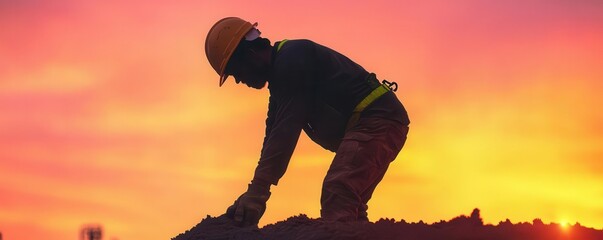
point(314, 88)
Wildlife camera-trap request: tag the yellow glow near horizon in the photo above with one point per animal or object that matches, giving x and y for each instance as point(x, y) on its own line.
point(565, 226)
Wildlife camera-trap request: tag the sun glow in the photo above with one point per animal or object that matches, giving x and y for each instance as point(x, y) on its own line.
point(564, 225)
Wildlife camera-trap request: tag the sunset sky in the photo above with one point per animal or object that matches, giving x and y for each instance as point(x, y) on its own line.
point(111, 114)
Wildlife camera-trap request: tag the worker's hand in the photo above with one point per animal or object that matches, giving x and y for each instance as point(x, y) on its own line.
point(250, 206)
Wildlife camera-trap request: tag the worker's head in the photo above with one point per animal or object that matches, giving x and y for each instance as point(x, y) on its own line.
point(234, 48)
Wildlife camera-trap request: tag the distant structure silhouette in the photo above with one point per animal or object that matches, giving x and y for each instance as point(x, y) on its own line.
point(91, 232)
point(0, 236)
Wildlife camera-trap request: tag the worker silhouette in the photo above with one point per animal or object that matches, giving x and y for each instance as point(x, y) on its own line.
point(335, 101)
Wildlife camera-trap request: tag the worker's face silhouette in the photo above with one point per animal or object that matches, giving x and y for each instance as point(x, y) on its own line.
point(250, 69)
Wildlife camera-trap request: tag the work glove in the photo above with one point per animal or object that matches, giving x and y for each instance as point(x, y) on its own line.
point(250, 206)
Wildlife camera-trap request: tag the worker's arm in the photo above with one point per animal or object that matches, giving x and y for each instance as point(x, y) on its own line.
point(291, 96)
point(290, 115)
point(291, 99)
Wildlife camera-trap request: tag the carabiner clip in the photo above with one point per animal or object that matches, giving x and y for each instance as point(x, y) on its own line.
point(391, 85)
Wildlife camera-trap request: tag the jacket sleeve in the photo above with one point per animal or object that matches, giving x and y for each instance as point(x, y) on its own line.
point(284, 124)
point(288, 110)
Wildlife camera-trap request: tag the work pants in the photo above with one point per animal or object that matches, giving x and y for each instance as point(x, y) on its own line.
point(359, 165)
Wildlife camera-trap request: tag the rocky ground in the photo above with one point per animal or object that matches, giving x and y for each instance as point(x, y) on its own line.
point(460, 228)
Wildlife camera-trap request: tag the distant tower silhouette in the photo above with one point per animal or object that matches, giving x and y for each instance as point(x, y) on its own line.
point(0, 236)
point(91, 232)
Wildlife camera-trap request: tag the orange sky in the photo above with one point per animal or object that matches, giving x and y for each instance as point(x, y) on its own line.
point(110, 113)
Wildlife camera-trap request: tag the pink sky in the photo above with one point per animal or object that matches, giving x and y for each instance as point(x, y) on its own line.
point(111, 114)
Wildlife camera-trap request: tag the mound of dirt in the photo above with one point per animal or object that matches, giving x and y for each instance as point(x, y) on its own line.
point(463, 227)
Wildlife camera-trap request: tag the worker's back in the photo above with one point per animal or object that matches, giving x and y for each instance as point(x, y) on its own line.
point(335, 84)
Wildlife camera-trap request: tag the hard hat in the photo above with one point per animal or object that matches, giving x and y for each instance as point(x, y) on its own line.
point(222, 40)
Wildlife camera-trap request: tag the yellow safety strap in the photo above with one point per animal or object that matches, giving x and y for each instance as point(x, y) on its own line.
point(374, 95)
point(280, 45)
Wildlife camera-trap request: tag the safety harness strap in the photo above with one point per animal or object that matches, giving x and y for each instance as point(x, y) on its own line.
point(371, 97)
point(280, 45)
point(374, 95)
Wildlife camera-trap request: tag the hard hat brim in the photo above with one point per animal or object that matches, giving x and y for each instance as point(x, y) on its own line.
point(224, 76)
